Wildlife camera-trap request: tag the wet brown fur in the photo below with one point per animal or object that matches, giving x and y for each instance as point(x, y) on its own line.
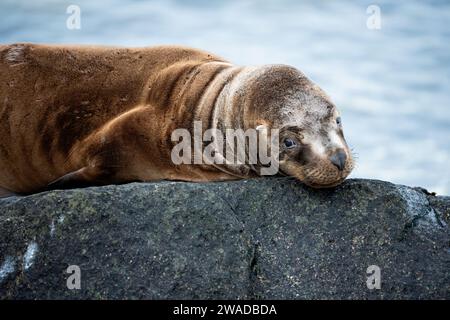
point(102, 115)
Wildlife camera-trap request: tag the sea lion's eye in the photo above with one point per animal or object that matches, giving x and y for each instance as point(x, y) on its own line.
point(289, 143)
point(338, 121)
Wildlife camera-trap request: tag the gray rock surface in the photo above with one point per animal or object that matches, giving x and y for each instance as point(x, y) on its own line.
point(270, 238)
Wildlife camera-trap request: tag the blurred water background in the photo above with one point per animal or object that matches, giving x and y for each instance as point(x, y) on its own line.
point(390, 84)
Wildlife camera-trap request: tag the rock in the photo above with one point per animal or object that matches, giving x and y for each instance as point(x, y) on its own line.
point(269, 238)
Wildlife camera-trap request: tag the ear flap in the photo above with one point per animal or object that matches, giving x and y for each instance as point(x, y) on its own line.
point(262, 129)
point(263, 137)
point(268, 149)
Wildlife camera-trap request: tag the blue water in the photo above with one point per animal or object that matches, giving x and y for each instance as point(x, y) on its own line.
point(391, 84)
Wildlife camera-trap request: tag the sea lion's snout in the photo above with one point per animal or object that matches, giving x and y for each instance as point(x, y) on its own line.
point(338, 159)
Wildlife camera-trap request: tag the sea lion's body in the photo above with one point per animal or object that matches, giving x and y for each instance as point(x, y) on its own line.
point(105, 115)
point(65, 108)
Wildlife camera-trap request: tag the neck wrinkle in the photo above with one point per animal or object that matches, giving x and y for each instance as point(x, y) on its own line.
point(229, 112)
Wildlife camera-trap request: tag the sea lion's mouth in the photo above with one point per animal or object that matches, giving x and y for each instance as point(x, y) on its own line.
point(323, 186)
point(313, 183)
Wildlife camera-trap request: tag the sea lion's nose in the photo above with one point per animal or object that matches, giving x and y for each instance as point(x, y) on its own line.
point(338, 159)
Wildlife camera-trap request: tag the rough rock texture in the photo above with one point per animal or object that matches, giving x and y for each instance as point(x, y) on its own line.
point(268, 238)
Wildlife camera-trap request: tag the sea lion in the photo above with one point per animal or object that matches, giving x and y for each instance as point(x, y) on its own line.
point(75, 116)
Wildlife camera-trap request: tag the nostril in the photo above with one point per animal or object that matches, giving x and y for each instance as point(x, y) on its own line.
point(338, 159)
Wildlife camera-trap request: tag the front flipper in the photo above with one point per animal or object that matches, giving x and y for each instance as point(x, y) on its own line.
point(81, 178)
point(5, 193)
point(113, 154)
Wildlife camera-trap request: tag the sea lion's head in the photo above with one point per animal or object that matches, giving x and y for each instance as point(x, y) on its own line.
point(312, 146)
